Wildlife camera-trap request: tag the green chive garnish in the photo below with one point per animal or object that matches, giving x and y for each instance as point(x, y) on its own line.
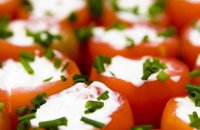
point(63, 78)
point(1, 106)
point(103, 96)
point(194, 93)
point(65, 66)
point(72, 17)
point(26, 66)
point(53, 123)
point(195, 73)
point(5, 32)
point(27, 117)
point(96, 7)
point(39, 100)
point(49, 54)
point(92, 122)
point(145, 39)
point(48, 79)
point(143, 127)
point(84, 34)
point(162, 76)
point(57, 63)
point(130, 41)
point(23, 110)
point(99, 63)
point(27, 56)
point(169, 32)
point(194, 120)
point(81, 79)
point(92, 106)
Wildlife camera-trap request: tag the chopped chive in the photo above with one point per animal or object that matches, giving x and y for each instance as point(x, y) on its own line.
point(169, 32)
point(103, 96)
point(27, 56)
point(5, 32)
point(130, 41)
point(118, 26)
point(136, 10)
point(92, 106)
point(112, 73)
point(23, 110)
point(72, 17)
point(195, 73)
point(81, 79)
point(39, 100)
point(84, 34)
point(194, 93)
point(49, 54)
point(162, 76)
point(27, 5)
point(57, 63)
point(27, 117)
point(115, 5)
point(48, 79)
point(63, 78)
point(92, 122)
point(146, 75)
point(143, 127)
point(26, 66)
point(65, 66)
point(96, 7)
point(156, 8)
point(24, 125)
point(1, 64)
point(194, 120)
point(145, 39)
point(53, 123)
point(99, 63)
point(1, 106)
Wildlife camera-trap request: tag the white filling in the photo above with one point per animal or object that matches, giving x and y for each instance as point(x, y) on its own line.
point(143, 6)
point(184, 108)
point(13, 75)
point(118, 38)
point(71, 104)
point(59, 9)
point(3, 1)
point(132, 70)
point(19, 28)
point(194, 35)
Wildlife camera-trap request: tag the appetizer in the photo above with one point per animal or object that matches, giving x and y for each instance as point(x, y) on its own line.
point(74, 12)
point(84, 106)
point(35, 35)
point(182, 113)
point(130, 12)
point(22, 80)
point(145, 81)
point(191, 44)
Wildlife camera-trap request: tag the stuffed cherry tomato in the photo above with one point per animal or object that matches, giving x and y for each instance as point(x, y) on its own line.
point(68, 11)
point(147, 82)
point(191, 44)
point(134, 11)
point(24, 79)
point(183, 12)
point(83, 107)
point(135, 41)
point(182, 113)
point(8, 7)
point(35, 35)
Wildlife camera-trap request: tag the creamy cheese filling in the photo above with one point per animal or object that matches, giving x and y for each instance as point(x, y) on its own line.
point(184, 108)
point(59, 9)
point(198, 60)
point(194, 1)
point(19, 28)
point(142, 5)
point(13, 75)
point(132, 70)
point(71, 104)
point(118, 38)
point(194, 34)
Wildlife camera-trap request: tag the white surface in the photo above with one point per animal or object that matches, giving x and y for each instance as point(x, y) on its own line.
point(59, 9)
point(132, 70)
point(71, 104)
point(19, 28)
point(118, 38)
point(13, 75)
